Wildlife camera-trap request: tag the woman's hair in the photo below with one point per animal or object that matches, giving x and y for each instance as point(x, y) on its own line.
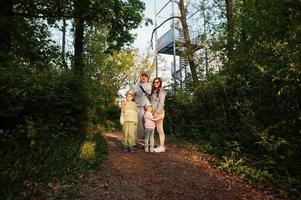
point(160, 86)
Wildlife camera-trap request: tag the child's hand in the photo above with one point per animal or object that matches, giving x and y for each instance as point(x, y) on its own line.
point(122, 104)
point(158, 116)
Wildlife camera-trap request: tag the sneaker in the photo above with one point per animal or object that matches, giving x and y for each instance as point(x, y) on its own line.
point(131, 150)
point(146, 149)
point(159, 149)
point(151, 150)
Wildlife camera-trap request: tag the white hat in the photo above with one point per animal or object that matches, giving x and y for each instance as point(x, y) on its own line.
point(130, 92)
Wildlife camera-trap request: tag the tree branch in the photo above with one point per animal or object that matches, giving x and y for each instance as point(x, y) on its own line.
point(55, 16)
point(188, 4)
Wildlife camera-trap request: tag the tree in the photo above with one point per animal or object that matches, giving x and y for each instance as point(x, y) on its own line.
point(6, 9)
point(230, 30)
point(78, 37)
point(189, 47)
point(110, 71)
point(118, 16)
point(64, 26)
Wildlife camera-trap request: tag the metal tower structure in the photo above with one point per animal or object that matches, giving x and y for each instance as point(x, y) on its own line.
point(170, 43)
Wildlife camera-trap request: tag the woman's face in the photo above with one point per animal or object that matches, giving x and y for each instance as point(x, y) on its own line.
point(156, 83)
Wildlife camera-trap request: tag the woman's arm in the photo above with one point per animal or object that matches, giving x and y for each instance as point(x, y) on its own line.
point(149, 116)
point(162, 95)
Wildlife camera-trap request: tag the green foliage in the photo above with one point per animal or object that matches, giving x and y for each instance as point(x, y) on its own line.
point(41, 124)
point(51, 125)
point(244, 115)
point(249, 113)
point(50, 120)
point(249, 174)
point(251, 108)
point(223, 113)
point(43, 117)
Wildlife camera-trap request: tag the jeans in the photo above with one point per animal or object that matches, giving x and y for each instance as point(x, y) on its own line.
point(149, 138)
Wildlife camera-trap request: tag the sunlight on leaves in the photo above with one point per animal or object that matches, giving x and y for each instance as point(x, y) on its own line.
point(87, 151)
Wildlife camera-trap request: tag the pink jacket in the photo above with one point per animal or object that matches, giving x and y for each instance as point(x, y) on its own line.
point(149, 120)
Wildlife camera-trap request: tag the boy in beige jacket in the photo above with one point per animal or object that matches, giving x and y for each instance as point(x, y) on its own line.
point(128, 120)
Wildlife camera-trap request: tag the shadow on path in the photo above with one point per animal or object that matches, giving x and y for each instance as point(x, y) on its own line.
point(174, 174)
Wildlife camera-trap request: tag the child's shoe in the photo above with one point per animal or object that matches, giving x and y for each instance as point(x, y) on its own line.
point(131, 150)
point(151, 150)
point(146, 149)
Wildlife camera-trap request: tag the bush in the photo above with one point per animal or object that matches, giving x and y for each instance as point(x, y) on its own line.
point(43, 125)
point(258, 112)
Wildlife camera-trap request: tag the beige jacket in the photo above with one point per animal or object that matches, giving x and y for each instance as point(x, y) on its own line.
point(129, 112)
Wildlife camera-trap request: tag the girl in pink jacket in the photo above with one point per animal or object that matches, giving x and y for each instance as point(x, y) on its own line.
point(149, 129)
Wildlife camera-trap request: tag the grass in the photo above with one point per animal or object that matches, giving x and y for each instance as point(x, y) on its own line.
point(235, 163)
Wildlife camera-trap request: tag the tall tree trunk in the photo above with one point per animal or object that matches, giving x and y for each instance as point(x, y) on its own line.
point(64, 45)
point(78, 46)
point(189, 54)
point(230, 30)
point(205, 34)
point(6, 10)
point(79, 24)
point(243, 29)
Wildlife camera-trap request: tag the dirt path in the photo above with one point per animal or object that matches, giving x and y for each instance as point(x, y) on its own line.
point(174, 174)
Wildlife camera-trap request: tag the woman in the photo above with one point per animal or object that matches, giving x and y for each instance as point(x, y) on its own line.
point(157, 100)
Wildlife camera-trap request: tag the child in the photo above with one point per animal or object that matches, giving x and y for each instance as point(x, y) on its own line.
point(149, 125)
point(128, 120)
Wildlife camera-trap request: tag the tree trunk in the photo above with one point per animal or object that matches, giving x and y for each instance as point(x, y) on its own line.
point(78, 46)
point(243, 29)
point(205, 35)
point(64, 45)
point(6, 10)
point(79, 24)
point(189, 50)
point(230, 30)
